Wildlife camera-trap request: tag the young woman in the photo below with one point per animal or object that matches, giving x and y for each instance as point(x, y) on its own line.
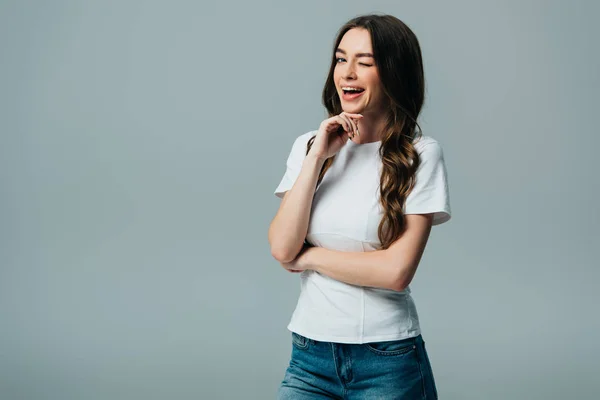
point(359, 198)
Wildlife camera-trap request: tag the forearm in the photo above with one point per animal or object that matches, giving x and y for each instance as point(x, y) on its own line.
point(372, 268)
point(290, 225)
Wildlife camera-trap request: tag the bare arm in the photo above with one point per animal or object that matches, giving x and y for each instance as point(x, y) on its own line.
point(392, 268)
point(289, 226)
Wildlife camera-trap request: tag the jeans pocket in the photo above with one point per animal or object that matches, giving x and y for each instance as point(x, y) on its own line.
point(392, 347)
point(299, 341)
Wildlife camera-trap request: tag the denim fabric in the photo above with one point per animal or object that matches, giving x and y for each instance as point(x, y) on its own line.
point(390, 370)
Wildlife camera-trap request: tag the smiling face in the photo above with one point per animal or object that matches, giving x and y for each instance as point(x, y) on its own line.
point(355, 74)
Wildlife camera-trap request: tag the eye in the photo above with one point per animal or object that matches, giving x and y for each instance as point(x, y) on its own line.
point(339, 59)
point(366, 65)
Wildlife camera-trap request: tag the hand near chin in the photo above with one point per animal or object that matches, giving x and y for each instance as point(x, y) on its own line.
point(334, 133)
point(301, 262)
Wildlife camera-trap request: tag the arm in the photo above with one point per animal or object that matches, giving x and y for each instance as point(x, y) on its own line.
point(289, 226)
point(393, 268)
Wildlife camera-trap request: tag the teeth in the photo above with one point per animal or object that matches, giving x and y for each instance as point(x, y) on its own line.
point(351, 89)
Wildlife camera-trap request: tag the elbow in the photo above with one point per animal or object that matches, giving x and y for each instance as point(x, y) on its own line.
point(283, 252)
point(400, 280)
point(280, 251)
point(398, 286)
point(281, 255)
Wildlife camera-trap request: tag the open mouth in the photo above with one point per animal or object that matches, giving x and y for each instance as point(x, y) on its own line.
point(352, 90)
point(351, 93)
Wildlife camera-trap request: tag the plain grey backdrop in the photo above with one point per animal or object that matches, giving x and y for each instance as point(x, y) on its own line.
point(141, 142)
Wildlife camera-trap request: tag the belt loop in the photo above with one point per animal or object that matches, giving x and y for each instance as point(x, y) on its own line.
point(418, 339)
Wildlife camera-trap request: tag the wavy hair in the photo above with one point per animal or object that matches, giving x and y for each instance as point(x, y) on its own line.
point(399, 62)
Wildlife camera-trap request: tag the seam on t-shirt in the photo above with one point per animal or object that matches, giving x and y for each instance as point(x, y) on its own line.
point(348, 237)
point(362, 311)
point(407, 308)
point(424, 144)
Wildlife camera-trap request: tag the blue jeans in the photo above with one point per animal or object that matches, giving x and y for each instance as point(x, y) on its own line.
point(396, 369)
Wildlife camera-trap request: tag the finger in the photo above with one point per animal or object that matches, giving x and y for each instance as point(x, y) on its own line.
point(351, 115)
point(345, 124)
point(350, 126)
point(354, 126)
point(354, 118)
point(354, 121)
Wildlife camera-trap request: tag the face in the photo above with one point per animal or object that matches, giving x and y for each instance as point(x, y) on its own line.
point(355, 74)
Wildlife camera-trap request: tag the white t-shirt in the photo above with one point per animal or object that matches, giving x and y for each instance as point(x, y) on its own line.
point(345, 216)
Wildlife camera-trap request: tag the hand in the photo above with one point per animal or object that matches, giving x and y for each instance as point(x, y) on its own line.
point(330, 139)
point(301, 262)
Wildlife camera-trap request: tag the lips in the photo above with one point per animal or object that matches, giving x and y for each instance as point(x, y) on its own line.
point(351, 95)
point(352, 89)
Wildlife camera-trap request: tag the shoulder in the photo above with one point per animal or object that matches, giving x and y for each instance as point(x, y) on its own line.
point(428, 147)
point(300, 143)
point(305, 137)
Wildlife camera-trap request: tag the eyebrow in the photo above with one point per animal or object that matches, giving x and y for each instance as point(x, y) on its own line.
point(338, 50)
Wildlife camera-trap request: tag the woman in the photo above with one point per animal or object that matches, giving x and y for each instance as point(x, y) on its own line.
point(359, 198)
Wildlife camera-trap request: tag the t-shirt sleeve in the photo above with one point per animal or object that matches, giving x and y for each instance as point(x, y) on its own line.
point(293, 165)
point(430, 193)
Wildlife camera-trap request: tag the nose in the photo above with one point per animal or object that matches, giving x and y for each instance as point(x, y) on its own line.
point(349, 71)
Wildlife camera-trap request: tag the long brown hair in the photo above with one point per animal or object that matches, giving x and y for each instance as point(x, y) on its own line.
point(398, 58)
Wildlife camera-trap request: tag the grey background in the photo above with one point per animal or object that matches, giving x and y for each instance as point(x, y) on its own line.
point(140, 146)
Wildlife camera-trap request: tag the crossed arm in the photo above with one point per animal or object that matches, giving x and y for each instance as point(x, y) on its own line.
point(392, 268)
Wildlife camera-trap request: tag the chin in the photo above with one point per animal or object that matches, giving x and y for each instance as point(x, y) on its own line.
point(353, 108)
